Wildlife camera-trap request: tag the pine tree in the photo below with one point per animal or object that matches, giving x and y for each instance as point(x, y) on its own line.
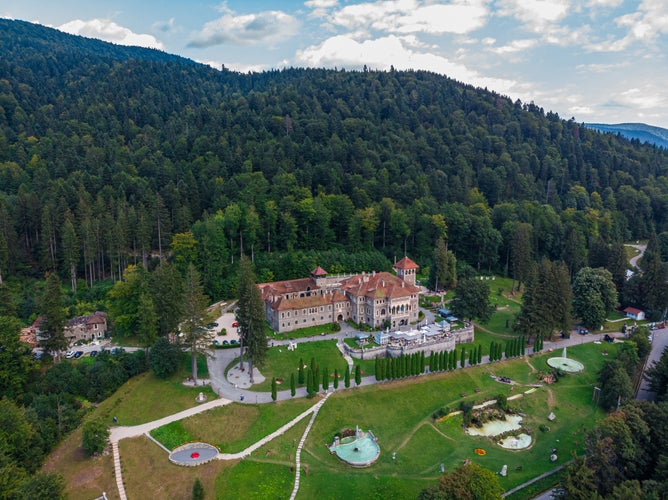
point(53, 312)
point(377, 368)
point(325, 379)
point(197, 338)
point(358, 375)
point(273, 389)
point(336, 378)
point(293, 385)
point(198, 490)
point(346, 377)
point(250, 315)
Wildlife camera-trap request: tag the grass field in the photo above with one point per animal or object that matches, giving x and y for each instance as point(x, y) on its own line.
point(146, 397)
point(236, 426)
point(399, 413)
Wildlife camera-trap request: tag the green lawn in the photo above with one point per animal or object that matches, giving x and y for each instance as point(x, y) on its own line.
point(310, 331)
point(232, 428)
point(281, 362)
point(146, 397)
point(400, 416)
point(399, 413)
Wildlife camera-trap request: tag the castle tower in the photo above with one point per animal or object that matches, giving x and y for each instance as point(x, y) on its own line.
point(406, 270)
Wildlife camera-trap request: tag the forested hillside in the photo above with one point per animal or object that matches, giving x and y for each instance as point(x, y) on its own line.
point(107, 153)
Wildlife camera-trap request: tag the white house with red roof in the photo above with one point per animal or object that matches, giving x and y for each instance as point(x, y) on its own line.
point(633, 313)
point(375, 299)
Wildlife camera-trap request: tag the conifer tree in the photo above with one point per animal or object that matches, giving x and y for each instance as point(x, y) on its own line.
point(336, 378)
point(293, 385)
point(462, 360)
point(300, 372)
point(358, 375)
point(273, 389)
point(346, 377)
point(250, 315)
point(53, 313)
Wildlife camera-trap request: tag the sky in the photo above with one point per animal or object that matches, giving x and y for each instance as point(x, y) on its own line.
point(597, 61)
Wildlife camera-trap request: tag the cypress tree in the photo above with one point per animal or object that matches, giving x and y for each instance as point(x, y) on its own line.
point(273, 389)
point(293, 385)
point(346, 377)
point(422, 362)
point(358, 375)
point(479, 353)
point(325, 379)
point(336, 378)
point(300, 372)
point(377, 368)
point(462, 360)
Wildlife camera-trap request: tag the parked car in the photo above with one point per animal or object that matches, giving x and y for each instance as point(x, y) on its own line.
point(233, 342)
point(215, 342)
point(78, 354)
point(93, 354)
point(211, 326)
point(235, 324)
point(70, 354)
point(225, 342)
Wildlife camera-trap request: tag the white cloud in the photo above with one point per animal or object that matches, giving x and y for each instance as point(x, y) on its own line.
point(267, 27)
point(407, 16)
point(649, 21)
point(515, 46)
point(535, 14)
point(321, 4)
point(109, 31)
point(381, 53)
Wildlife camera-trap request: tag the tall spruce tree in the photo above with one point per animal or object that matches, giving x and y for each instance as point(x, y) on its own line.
point(53, 313)
point(250, 315)
point(196, 337)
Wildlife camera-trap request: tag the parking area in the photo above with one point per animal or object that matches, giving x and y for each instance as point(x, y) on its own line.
point(226, 321)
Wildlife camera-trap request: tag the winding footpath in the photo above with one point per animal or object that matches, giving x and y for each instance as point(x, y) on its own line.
point(239, 392)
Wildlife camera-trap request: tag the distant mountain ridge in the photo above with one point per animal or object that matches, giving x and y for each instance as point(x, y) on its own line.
point(640, 131)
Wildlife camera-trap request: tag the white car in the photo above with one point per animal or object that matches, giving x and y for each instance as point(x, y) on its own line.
point(69, 354)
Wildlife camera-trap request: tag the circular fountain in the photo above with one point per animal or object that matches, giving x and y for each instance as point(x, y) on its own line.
point(564, 363)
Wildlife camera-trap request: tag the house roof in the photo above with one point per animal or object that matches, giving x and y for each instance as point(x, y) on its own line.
point(406, 263)
point(379, 285)
point(318, 271)
point(632, 310)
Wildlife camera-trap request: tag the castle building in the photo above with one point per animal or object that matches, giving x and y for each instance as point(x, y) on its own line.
point(376, 299)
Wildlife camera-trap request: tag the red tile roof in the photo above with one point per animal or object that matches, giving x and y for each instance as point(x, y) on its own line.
point(406, 263)
point(632, 310)
point(379, 285)
point(318, 271)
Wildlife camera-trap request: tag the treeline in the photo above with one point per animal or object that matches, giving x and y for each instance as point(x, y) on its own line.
point(108, 154)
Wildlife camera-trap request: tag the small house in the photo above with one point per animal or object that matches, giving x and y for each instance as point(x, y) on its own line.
point(633, 313)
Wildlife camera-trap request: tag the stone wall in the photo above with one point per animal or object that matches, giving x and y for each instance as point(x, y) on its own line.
point(460, 336)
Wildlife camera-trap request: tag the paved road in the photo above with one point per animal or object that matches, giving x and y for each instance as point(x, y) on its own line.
point(634, 260)
point(222, 358)
point(659, 343)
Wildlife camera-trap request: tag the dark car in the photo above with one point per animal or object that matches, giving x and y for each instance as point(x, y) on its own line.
point(225, 342)
point(78, 354)
point(211, 326)
point(233, 342)
point(93, 354)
